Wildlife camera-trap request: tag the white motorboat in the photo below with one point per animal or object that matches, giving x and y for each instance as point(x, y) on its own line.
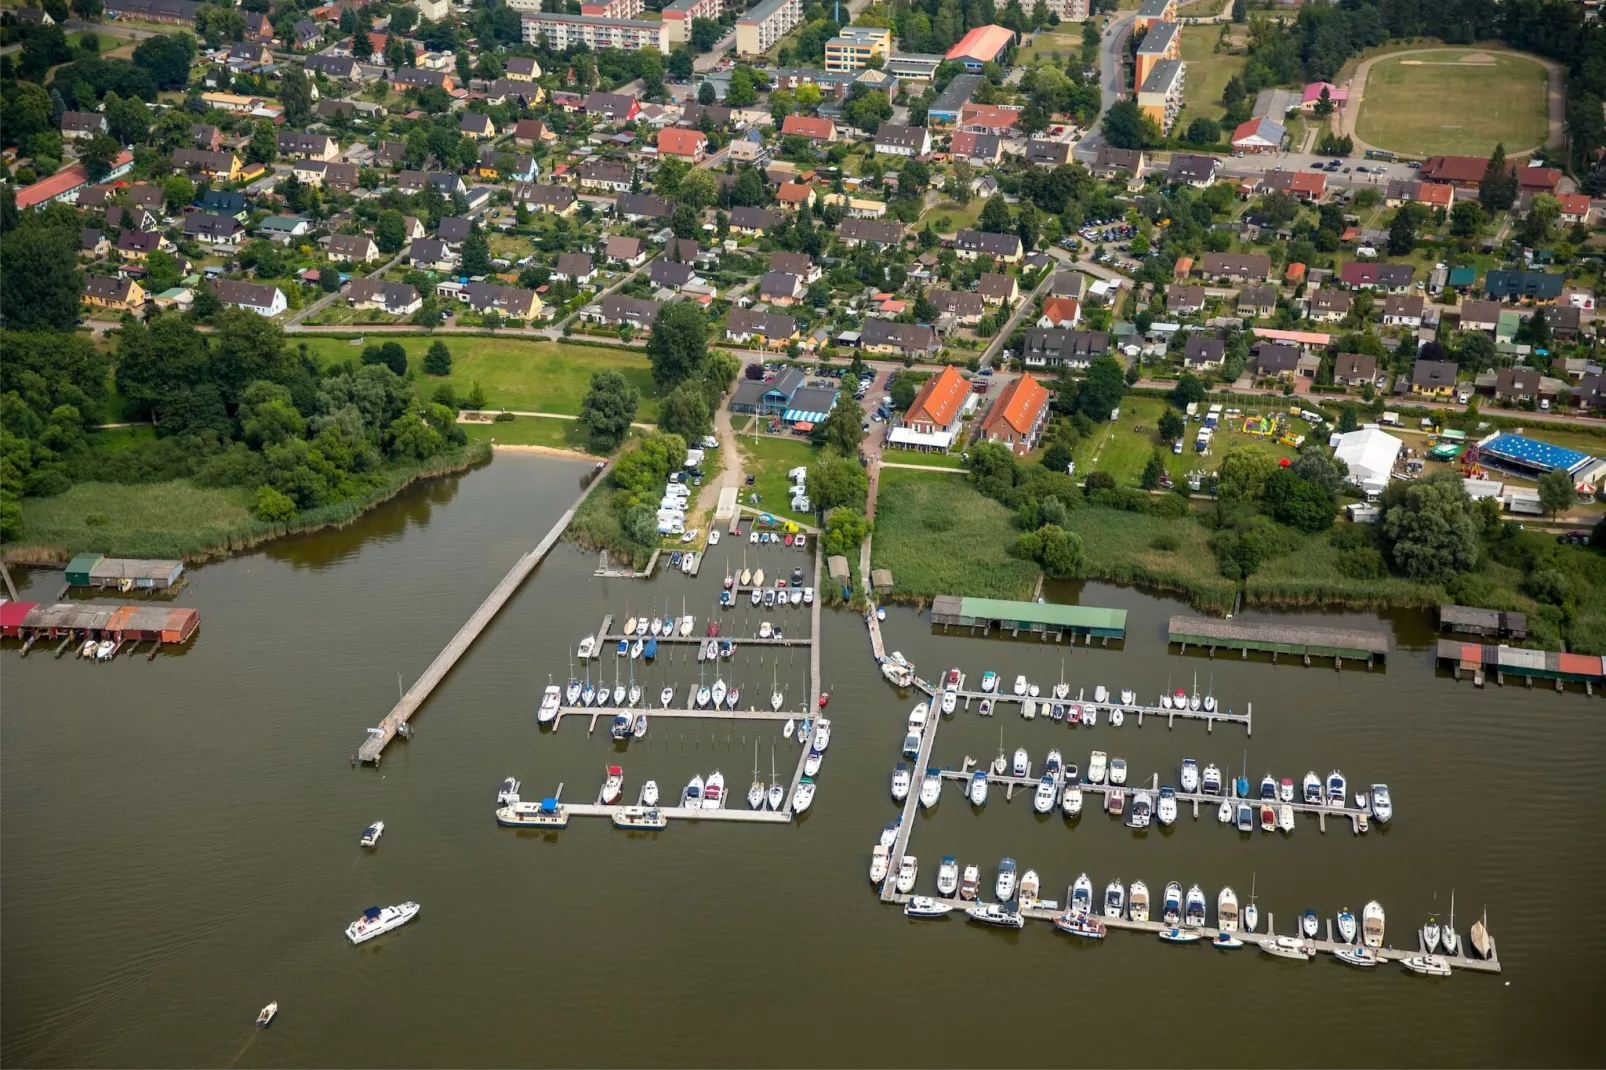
point(371, 834)
point(1082, 895)
point(950, 701)
point(1285, 817)
point(1347, 927)
point(1004, 887)
point(901, 780)
point(1117, 718)
point(822, 734)
point(587, 645)
point(1224, 812)
point(1181, 936)
point(948, 877)
point(970, 883)
point(649, 793)
point(1090, 716)
point(764, 629)
point(1142, 811)
point(811, 764)
point(1028, 709)
point(898, 675)
point(686, 624)
point(889, 833)
point(930, 789)
point(612, 785)
point(1227, 910)
point(666, 696)
point(1193, 909)
point(508, 792)
point(1165, 700)
point(1115, 899)
point(1430, 936)
point(1096, 767)
point(978, 788)
point(551, 699)
point(1071, 801)
point(1287, 947)
point(1020, 685)
point(1226, 941)
point(808, 596)
point(908, 872)
point(1128, 696)
point(1285, 790)
point(795, 596)
point(1052, 764)
point(803, 797)
point(880, 862)
point(1337, 792)
point(1382, 805)
point(1312, 789)
point(1043, 797)
point(639, 817)
point(548, 813)
point(1190, 776)
point(1211, 784)
point(923, 906)
point(1166, 808)
point(1081, 925)
point(692, 797)
point(1428, 965)
point(1362, 957)
point(1137, 899)
point(756, 597)
point(1268, 788)
point(989, 681)
point(1117, 771)
point(999, 914)
point(714, 791)
point(1309, 923)
point(788, 728)
point(703, 695)
point(1029, 886)
point(1171, 904)
point(378, 920)
point(1101, 693)
point(1021, 766)
point(713, 536)
point(265, 1015)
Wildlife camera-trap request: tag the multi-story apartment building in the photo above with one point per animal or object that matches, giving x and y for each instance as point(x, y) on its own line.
point(1161, 96)
point(759, 29)
point(678, 15)
point(1163, 41)
point(562, 31)
point(852, 48)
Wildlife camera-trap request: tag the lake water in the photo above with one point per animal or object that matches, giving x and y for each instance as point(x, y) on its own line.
point(180, 840)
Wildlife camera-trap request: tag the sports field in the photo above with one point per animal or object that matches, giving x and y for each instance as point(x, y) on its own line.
point(1454, 101)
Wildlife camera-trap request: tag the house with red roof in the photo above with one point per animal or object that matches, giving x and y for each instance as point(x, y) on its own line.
point(933, 420)
point(684, 144)
point(1576, 208)
point(66, 184)
point(809, 127)
point(1017, 417)
point(1060, 312)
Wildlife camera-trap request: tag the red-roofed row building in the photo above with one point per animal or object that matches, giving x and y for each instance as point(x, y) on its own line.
point(66, 184)
point(1017, 417)
point(934, 419)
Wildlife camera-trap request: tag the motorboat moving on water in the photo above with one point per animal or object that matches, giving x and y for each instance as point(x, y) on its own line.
point(376, 921)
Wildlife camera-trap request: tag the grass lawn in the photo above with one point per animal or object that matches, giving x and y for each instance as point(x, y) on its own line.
point(939, 535)
point(113, 439)
point(768, 459)
point(1170, 553)
point(958, 215)
point(533, 431)
point(1500, 97)
point(1123, 451)
point(1057, 47)
point(928, 460)
point(1208, 72)
point(517, 373)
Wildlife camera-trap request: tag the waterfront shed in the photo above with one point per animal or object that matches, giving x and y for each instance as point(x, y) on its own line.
point(129, 573)
point(837, 566)
point(78, 568)
point(881, 580)
point(12, 616)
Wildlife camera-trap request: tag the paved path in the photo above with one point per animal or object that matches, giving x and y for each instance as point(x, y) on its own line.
point(732, 474)
point(1112, 81)
point(1557, 99)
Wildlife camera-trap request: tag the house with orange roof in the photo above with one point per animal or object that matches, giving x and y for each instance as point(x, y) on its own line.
point(1295, 273)
point(795, 194)
point(1436, 195)
point(809, 127)
point(1017, 417)
point(1576, 208)
point(933, 420)
point(685, 144)
point(1060, 312)
point(980, 46)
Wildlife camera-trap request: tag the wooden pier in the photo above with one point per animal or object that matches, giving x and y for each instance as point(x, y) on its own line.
point(596, 713)
point(900, 846)
point(395, 721)
point(1169, 715)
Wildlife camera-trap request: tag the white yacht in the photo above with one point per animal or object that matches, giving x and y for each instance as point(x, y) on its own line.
point(923, 906)
point(1029, 886)
point(1288, 947)
point(1005, 885)
point(1312, 789)
point(1138, 901)
point(1043, 798)
point(371, 834)
point(950, 700)
point(1071, 801)
point(1227, 910)
point(901, 781)
point(572, 692)
point(1022, 764)
point(930, 789)
point(1166, 808)
point(548, 813)
point(692, 797)
point(1096, 766)
point(703, 695)
point(822, 734)
point(1346, 926)
point(508, 792)
point(970, 883)
point(1128, 696)
point(908, 872)
point(611, 786)
point(639, 817)
point(551, 698)
point(1082, 896)
point(1115, 899)
point(1285, 818)
point(1382, 805)
point(880, 861)
point(1020, 685)
point(811, 764)
point(978, 788)
point(666, 696)
point(1430, 965)
point(1171, 904)
point(378, 920)
point(587, 645)
point(1117, 771)
point(1190, 776)
point(996, 914)
point(948, 877)
point(803, 797)
point(1100, 693)
point(649, 793)
point(1193, 910)
point(1211, 784)
point(1028, 709)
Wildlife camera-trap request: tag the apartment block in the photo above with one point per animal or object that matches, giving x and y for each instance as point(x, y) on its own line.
point(1163, 41)
point(759, 29)
point(1161, 96)
point(564, 31)
point(679, 13)
point(852, 48)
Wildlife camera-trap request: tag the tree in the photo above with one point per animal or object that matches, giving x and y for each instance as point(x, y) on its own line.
point(1543, 211)
point(1428, 528)
point(1556, 492)
point(98, 154)
point(1297, 502)
point(1402, 230)
point(438, 361)
point(264, 145)
point(995, 217)
point(1317, 466)
point(1476, 351)
point(1171, 426)
point(685, 412)
point(476, 253)
point(1123, 125)
point(1243, 473)
point(1324, 104)
point(1188, 391)
point(678, 347)
point(39, 277)
point(1466, 219)
point(845, 530)
point(1152, 472)
point(843, 426)
point(697, 189)
point(608, 408)
point(1498, 189)
point(1204, 131)
point(835, 481)
point(166, 57)
point(390, 231)
point(741, 92)
point(295, 95)
point(706, 94)
point(1100, 392)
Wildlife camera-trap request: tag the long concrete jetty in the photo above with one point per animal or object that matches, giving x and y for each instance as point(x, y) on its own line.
point(396, 720)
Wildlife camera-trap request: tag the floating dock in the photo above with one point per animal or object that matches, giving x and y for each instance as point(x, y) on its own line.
point(597, 713)
point(1170, 715)
point(611, 640)
point(1044, 619)
point(395, 722)
point(1278, 637)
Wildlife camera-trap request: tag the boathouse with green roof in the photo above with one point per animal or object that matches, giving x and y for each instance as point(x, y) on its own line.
point(1044, 618)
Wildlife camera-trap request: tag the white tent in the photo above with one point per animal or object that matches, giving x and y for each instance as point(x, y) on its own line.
point(1370, 454)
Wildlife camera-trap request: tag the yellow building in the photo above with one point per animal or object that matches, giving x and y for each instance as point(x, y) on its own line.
point(119, 294)
point(852, 49)
point(1160, 98)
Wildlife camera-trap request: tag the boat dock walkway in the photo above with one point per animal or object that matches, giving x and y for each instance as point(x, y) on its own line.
point(597, 713)
point(816, 686)
point(612, 640)
point(1170, 715)
point(1184, 799)
point(681, 813)
point(395, 722)
point(906, 824)
point(1251, 940)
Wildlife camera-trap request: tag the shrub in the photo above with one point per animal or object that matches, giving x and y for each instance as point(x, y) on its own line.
point(1167, 543)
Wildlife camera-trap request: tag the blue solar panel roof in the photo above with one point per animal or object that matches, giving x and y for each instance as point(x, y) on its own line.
point(1532, 451)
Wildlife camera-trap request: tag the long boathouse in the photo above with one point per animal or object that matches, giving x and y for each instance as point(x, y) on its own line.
point(1279, 637)
point(30, 621)
point(1480, 659)
point(1043, 618)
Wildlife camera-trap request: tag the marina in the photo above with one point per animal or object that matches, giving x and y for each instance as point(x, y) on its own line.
point(1170, 714)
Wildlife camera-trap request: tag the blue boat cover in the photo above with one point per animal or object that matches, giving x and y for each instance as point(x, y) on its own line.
point(371, 913)
point(549, 803)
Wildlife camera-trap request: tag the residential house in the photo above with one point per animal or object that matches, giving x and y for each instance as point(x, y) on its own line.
point(886, 338)
point(1255, 302)
point(1016, 419)
point(1516, 385)
point(432, 254)
point(339, 68)
point(1060, 312)
point(576, 268)
point(692, 116)
point(131, 218)
point(797, 264)
point(211, 229)
point(970, 244)
point(1202, 353)
point(766, 330)
point(1563, 321)
point(1261, 134)
point(1273, 360)
point(501, 165)
point(636, 207)
point(1307, 186)
point(794, 195)
point(1040, 153)
point(1433, 378)
point(754, 221)
point(671, 274)
point(357, 248)
point(933, 420)
point(627, 251)
point(205, 136)
point(390, 154)
point(1329, 306)
point(1373, 275)
point(997, 289)
point(962, 306)
point(1538, 287)
point(1068, 284)
point(305, 145)
point(420, 78)
point(979, 150)
point(610, 176)
point(1480, 316)
point(1403, 311)
point(1590, 393)
point(283, 228)
point(1576, 208)
point(854, 232)
point(446, 183)
point(218, 166)
point(476, 125)
point(305, 35)
point(508, 301)
point(1054, 347)
point(522, 69)
point(327, 174)
point(225, 202)
point(1236, 267)
point(82, 124)
point(616, 310)
point(683, 144)
point(1184, 300)
point(892, 139)
point(119, 294)
point(412, 228)
point(1113, 162)
point(396, 298)
point(137, 244)
point(612, 107)
point(528, 133)
point(781, 288)
point(1357, 369)
point(1196, 171)
point(93, 244)
point(256, 297)
point(998, 120)
point(809, 127)
point(553, 200)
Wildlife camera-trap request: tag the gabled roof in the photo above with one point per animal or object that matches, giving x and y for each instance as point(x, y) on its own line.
point(679, 142)
point(940, 398)
point(808, 126)
point(575, 265)
point(1019, 406)
point(983, 44)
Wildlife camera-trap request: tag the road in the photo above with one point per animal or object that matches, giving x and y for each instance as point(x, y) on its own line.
point(1112, 81)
